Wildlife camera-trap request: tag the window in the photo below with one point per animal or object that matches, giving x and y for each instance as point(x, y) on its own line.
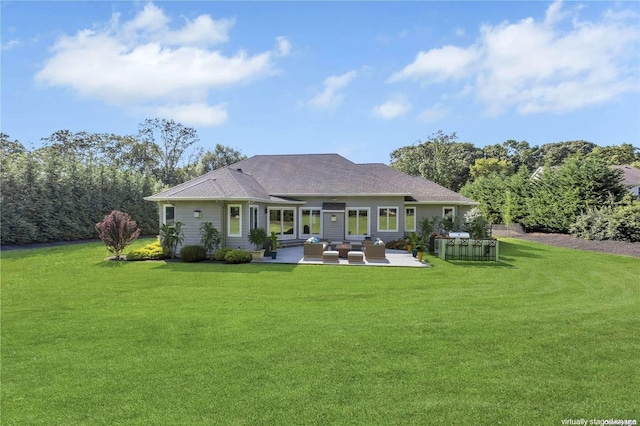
point(282, 222)
point(410, 219)
point(310, 223)
point(169, 215)
point(448, 212)
point(358, 222)
point(234, 222)
point(253, 217)
point(387, 219)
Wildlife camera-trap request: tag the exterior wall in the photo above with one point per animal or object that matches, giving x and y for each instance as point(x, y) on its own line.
point(216, 213)
point(212, 211)
point(430, 211)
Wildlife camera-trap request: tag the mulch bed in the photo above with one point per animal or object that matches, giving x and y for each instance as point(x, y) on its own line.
point(569, 241)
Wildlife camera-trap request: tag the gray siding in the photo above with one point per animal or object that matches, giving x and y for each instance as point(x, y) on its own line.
point(216, 211)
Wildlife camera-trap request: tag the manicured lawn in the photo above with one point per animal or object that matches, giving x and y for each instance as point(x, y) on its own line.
point(545, 335)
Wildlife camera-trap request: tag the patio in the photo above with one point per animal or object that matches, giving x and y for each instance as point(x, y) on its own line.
point(393, 258)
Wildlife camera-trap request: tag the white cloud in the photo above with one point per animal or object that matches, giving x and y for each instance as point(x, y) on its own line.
point(435, 113)
point(391, 109)
point(438, 65)
point(142, 63)
point(283, 46)
point(10, 44)
point(196, 114)
point(331, 97)
point(559, 64)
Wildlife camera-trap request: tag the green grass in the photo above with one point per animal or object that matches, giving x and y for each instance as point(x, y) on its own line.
point(544, 335)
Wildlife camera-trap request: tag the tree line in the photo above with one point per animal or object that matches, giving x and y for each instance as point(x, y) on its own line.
point(59, 191)
point(576, 185)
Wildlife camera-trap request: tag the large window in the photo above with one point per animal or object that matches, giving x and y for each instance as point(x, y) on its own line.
point(310, 223)
point(234, 220)
point(410, 219)
point(169, 215)
point(282, 222)
point(358, 223)
point(387, 219)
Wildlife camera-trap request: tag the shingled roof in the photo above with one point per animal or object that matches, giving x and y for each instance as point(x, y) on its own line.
point(282, 178)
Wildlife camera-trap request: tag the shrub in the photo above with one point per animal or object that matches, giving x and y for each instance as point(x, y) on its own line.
point(117, 230)
point(396, 244)
point(193, 253)
point(625, 223)
point(171, 236)
point(593, 224)
point(210, 237)
point(476, 224)
point(221, 253)
point(153, 251)
point(238, 256)
point(620, 224)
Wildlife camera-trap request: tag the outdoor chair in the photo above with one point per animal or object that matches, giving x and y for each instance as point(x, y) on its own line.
point(373, 252)
point(313, 250)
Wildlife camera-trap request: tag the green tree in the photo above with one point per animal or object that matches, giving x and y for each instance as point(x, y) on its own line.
point(559, 195)
point(221, 156)
point(440, 159)
point(176, 147)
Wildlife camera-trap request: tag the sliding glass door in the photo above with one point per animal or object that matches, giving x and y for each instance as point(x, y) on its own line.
point(282, 221)
point(358, 223)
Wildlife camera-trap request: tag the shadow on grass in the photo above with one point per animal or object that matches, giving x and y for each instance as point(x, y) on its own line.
point(481, 264)
point(213, 266)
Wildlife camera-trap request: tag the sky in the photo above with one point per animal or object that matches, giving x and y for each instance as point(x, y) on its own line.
point(360, 79)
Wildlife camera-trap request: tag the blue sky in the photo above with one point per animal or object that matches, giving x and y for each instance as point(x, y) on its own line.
point(357, 78)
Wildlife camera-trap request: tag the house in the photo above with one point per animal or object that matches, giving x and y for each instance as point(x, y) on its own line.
point(630, 178)
point(302, 196)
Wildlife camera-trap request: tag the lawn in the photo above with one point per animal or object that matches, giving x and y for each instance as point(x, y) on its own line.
point(545, 335)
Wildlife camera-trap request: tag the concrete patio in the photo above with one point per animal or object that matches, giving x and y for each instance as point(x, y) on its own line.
point(393, 258)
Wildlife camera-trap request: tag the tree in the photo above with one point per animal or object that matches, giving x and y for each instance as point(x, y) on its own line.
point(221, 156)
point(171, 236)
point(117, 230)
point(617, 155)
point(489, 166)
point(440, 159)
point(173, 141)
point(559, 195)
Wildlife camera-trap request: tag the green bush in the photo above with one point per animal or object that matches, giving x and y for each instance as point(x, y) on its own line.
point(221, 253)
point(238, 256)
point(593, 224)
point(619, 224)
point(625, 223)
point(151, 251)
point(193, 253)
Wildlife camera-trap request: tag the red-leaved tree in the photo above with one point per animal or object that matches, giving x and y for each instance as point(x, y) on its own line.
point(117, 230)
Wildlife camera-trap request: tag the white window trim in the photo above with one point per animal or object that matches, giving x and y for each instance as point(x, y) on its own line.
point(397, 218)
point(317, 209)
point(453, 214)
point(164, 213)
point(229, 207)
point(257, 210)
point(346, 222)
point(415, 219)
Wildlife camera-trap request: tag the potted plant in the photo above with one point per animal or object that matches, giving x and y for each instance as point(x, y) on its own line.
point(412, 241)
point(420, 250)
point(274, 245)
point(257, 237)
